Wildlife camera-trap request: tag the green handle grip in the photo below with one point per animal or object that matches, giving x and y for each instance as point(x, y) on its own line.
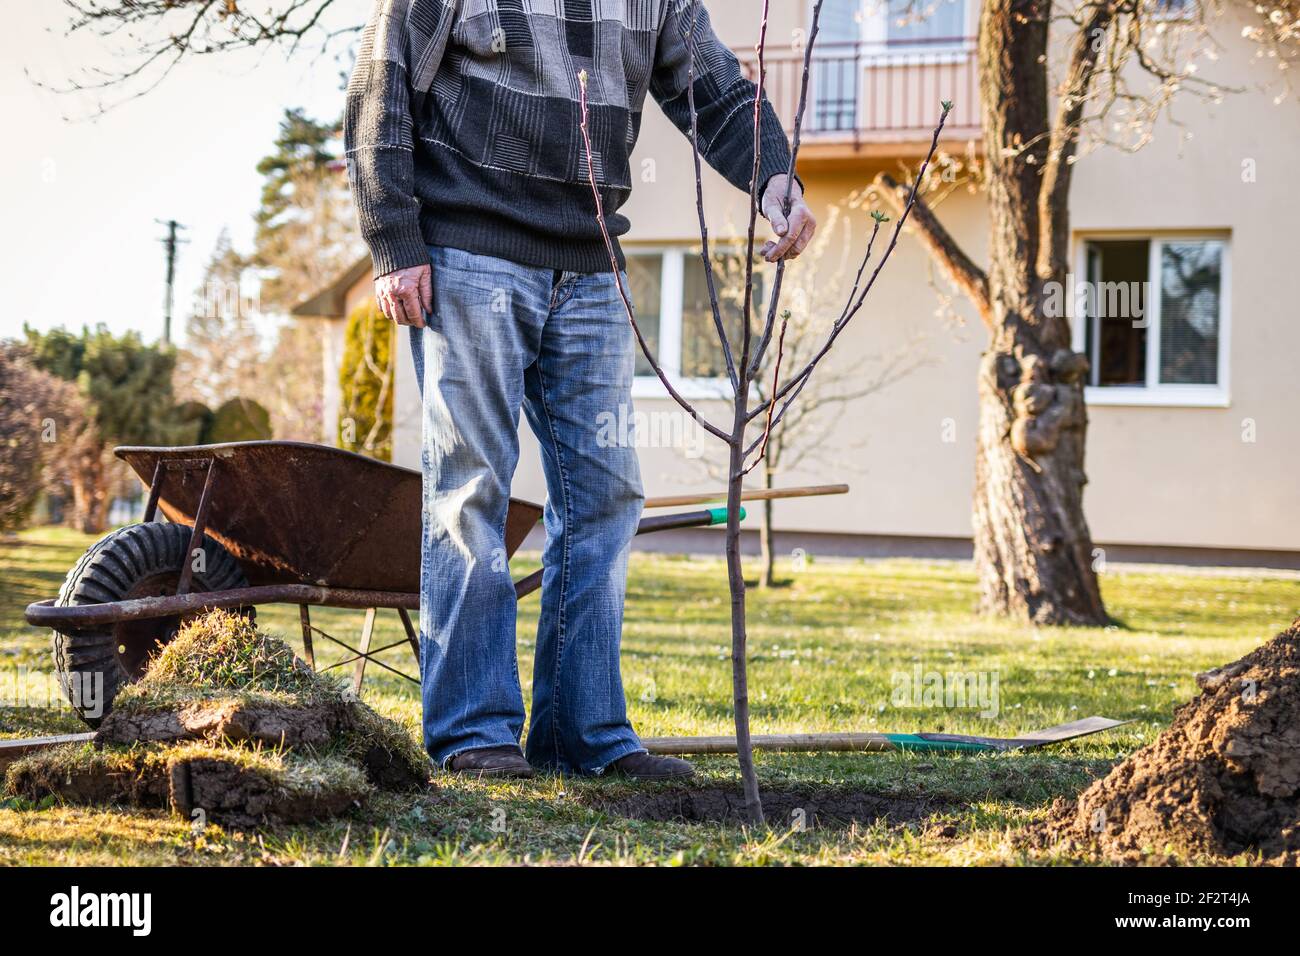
point(719, 515)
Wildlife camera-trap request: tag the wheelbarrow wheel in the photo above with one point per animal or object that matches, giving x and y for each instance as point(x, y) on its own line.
point(140, 560)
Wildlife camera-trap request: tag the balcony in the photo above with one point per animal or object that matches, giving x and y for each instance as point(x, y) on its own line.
point(874, 100)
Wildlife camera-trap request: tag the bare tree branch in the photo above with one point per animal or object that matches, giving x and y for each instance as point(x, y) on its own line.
point(152, 37)
point(963, 271)
point(797, 140)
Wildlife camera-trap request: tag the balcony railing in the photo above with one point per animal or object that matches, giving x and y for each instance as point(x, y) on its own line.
point(875, 92)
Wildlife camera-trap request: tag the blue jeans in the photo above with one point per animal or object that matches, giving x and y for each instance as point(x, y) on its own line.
point(503, 335)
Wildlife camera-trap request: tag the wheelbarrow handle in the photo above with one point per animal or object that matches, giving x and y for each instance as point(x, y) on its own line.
point(756, 494)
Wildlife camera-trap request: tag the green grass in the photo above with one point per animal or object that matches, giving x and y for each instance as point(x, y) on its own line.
point(825, 654)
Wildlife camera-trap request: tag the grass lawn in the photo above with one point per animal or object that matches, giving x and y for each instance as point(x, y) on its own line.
point(825, 655)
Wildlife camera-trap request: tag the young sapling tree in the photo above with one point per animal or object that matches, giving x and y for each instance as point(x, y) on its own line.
point(748, 434)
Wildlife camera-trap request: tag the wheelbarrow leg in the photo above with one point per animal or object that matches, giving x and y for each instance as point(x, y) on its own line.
point(196, 535)
point(359, 670)
point(309, 652)
point(155, 489)
point(410, 633)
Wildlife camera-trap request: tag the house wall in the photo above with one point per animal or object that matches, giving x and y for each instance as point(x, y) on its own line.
point(333, 338)
point(1185, 475)
point(1179, 476)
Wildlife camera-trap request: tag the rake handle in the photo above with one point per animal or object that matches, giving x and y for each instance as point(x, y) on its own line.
point(757, 494)
point(788, 743)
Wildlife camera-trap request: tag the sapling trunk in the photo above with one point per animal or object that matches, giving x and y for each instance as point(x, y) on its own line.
point(739, 635)
point(767, 414)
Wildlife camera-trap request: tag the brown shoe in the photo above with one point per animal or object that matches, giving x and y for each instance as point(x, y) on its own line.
point(491, 762)
point(644, 766)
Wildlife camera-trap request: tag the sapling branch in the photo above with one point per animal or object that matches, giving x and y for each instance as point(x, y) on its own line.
point(706, 254)
point(690, 409)
point(776, 378)
point(839, 327)
point(866, 258)
point(747, 306)
point(796, 141)
point(851, 304)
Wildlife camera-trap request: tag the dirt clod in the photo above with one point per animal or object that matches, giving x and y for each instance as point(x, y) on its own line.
point(296, 726)
point(1222, 780)
point(231, 794)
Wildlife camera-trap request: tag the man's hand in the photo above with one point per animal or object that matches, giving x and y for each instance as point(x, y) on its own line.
point(795, 230)
point(406, 295)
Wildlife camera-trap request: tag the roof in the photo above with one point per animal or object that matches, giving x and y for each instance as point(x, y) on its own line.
point(331, 300)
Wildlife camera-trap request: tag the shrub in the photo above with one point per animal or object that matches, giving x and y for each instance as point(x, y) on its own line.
point(193, 422)
point(366, 378)
point(239, 419)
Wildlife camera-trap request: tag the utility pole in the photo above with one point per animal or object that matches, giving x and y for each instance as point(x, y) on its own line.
point(169, 243)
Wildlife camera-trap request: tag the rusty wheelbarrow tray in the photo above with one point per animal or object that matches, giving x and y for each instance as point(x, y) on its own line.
point(293, 512)
point(266, 522)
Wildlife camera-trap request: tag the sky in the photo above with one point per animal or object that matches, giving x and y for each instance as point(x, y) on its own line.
point(79, 195)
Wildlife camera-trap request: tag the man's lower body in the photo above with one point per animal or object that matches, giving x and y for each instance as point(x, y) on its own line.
point(504, 336)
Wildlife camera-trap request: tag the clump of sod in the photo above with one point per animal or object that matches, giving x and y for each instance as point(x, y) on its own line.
point(220, 679)
point(227, 720)
point(234, 786)
point(224, 654)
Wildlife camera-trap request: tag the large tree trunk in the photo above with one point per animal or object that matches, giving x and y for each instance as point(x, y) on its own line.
point(1033, 550)
point(89, 480)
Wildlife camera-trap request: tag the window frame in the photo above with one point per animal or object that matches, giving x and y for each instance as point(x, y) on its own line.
point(671, 300)
point(1155, 392)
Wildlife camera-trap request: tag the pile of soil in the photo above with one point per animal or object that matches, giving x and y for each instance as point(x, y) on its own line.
point(228, 721)
point(1223, 780)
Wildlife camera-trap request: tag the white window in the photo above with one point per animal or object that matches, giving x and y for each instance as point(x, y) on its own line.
point(670, 293)
point(1151, 313)
point(924, 21)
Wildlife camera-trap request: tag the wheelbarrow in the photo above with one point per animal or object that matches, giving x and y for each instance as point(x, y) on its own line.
point(267, 522)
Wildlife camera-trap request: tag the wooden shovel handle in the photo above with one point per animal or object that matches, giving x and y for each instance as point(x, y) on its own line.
point(757, 494)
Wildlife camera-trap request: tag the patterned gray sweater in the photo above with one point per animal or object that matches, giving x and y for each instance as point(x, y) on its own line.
point(462, 122)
